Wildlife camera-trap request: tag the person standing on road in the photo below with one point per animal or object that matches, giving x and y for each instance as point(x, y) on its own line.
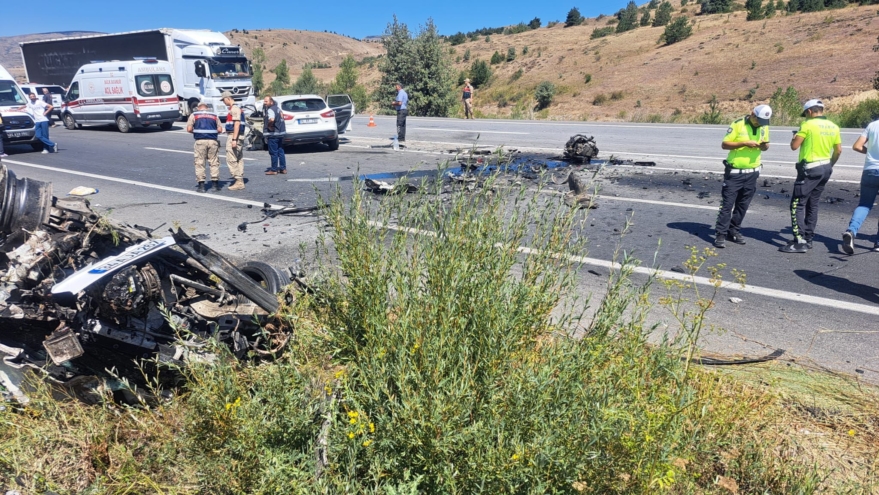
point(868, 144)
point(274, 131)
point(745, 139)
point(205, 127)
point(38, 109)
point(820, 145)
point(467, 98)
point(402, 105)
point(234, 150)
point(47, 97)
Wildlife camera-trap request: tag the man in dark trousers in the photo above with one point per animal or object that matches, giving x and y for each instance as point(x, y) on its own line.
point(205, 127)
point(274, 131)
point(47, 98)
point(402, 105)
point(820, 145)
point(746, 139)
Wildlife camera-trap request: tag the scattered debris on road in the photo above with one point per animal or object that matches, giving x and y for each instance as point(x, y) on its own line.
point(80, 294)
point(581, 148)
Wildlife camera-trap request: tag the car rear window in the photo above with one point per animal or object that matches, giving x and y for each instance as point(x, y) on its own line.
point(338, 100)
point(304, 105)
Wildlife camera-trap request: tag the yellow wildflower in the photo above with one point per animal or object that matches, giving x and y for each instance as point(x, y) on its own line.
point(372, 427)
point(515, 457)
point(367, 443)
point(350, 435)
point(851, 433)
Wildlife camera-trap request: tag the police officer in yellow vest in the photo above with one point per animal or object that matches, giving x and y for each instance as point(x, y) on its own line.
point(745, 139)
point(820, 145)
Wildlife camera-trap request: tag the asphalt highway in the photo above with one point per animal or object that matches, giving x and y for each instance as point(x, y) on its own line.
point(817, 306)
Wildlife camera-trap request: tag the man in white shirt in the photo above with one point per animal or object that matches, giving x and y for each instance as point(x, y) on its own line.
point(40, 110)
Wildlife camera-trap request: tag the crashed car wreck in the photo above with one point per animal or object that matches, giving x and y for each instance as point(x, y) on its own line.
point(81, 295)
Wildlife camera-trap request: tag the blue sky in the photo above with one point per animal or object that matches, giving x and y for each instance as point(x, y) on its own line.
point(351, 17)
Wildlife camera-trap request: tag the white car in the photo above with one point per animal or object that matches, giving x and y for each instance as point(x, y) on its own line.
point(56, 91)
point(308, 119)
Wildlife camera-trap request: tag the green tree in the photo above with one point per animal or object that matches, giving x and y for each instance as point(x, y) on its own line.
point(653, 4)
point(257, 65)
point(535, 23)
point(755, 9)
point(811, 5)
point(663, 14)
point(645, 18)
point(544, 93)
point(716, 6)
point(422, 64)
point(307, 84)
point(282, 78)
point(496, 58)
point(769, 10)
point(467, 55)
point(628, 18)
point(786, 106)
point(457, 38)
point(574, 18)
point(346, 82)
point(480, 73)
point(511, 54)
point(677, 30)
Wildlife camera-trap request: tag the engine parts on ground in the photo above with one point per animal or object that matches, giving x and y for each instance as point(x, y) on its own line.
point(581, 148)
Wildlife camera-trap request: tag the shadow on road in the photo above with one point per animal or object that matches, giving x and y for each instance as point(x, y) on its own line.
point(840, 284)
point(700, 230)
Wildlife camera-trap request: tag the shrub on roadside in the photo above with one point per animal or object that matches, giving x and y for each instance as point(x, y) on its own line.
point(544, 94)
point(600, 99)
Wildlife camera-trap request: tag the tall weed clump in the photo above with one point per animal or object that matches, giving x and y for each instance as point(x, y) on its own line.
point(461, 369)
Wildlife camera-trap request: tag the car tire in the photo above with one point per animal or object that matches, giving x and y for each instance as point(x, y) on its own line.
point(68, 121)
point(166, 126)
point(268, 277)
point(123, 124)
point(37, 146)
point(334, 144)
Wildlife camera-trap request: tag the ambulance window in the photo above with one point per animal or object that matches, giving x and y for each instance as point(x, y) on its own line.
point(73, 92)
point(146, 85)
point(165, 84)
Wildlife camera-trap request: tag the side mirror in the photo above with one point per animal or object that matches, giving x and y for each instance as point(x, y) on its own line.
point(199, 69)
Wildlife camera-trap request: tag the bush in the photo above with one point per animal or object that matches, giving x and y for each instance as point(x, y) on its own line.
point(786, 106)
point(496, 58)
point(616, 95)
point(480, 73)
point(525, 50)
point(678, 30)
point(602, 32)
point(511, 54)
point(544, 93)
point(574, 18)
point(857, 116)
point(534, 23)
point(516, 75)
point(712, 115)
point(587, 78)
point(600, 99)
point(467, 55)
point(663, 14)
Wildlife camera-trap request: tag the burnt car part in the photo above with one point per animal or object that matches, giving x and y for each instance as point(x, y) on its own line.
point(581, 148)
point(80, 294)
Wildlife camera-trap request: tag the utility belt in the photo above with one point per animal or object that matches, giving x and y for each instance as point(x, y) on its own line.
point(731, 170)
point(810, 165)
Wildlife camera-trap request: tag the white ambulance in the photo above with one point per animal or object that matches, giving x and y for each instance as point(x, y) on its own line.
point(130, 93)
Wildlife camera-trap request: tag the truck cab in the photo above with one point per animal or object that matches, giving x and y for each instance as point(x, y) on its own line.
point(207, 66)
point(18, 127)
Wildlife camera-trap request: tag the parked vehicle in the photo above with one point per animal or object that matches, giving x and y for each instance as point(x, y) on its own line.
point(203, 63)
point(307, 118)
point(18, 127)
point(340, 105)
point(132, 93)
point(56, 91)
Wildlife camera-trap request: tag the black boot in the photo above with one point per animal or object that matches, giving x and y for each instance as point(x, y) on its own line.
point(216, 185)
point(200, 186)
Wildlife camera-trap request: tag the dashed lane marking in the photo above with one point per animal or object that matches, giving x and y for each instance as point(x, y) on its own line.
point(145, 184)
point(683, 277)
point(188, 152)
point(467, 130)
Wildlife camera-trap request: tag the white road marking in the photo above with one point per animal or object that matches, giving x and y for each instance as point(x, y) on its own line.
point(683, 277)
point(699, 127)
point(323, 179)
point(188, 152)
point(465, 130)
point(145, 184)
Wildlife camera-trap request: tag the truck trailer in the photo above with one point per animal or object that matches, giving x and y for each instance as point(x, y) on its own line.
point(204, 63)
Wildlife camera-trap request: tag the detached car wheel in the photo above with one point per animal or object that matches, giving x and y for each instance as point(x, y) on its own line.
point(122, 124)
point(69, 122)
point(270, 278)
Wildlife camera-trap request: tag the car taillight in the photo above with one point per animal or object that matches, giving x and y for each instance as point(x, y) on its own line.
point(328, 115)
point(288, 116)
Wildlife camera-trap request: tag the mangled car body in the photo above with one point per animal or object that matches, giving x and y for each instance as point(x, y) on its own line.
point(80, 295)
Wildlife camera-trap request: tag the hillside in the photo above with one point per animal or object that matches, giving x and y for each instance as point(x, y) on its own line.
point(825, 54)
point(10, 56)
point(301, 47)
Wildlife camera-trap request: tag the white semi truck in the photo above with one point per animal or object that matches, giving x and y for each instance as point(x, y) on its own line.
point(204, 63)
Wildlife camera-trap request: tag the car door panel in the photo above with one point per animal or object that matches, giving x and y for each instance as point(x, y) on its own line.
point(344, 108)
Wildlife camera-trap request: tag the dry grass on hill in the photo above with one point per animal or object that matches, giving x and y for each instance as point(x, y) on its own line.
point(301, 47)
point(825, 54)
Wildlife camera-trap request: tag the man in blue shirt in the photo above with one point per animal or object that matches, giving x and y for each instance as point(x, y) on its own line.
point(402, 104)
